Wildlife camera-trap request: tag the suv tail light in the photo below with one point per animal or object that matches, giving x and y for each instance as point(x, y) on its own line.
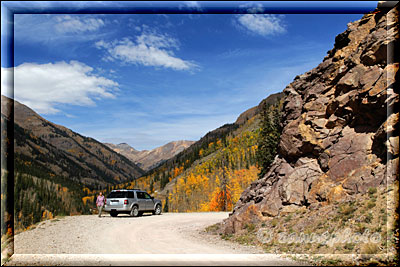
point(125, 202)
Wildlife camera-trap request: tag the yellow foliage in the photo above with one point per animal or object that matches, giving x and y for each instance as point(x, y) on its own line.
point(86, 199)
point(71, 150)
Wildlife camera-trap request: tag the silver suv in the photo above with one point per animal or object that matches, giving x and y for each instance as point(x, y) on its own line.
point(131, 201)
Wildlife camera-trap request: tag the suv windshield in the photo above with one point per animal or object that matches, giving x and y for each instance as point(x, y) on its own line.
point(118, 195)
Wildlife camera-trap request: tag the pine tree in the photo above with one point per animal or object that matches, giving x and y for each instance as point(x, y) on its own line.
point(151, 186)
point(166, 202)
point(269, 137)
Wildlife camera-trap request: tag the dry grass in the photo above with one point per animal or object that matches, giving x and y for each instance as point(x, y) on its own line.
point(364, 214)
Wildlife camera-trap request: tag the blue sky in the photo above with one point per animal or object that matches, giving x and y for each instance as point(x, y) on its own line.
point(150, 79)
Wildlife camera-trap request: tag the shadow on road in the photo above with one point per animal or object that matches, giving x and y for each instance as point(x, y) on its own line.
point(127, 216)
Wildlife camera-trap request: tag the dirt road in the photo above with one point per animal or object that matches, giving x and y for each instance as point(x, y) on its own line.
point(171, 238)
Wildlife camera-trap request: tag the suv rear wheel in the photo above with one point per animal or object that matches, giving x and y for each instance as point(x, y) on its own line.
point(157, 211)
point(134, 211)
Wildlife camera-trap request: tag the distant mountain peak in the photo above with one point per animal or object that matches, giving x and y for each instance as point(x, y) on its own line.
point(147, 159)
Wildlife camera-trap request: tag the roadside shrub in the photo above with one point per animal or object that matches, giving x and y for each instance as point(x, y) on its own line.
point(288, 218)
point(368, 217)
point(349, 246)
point(371, 204)
point(369, 248)
point(372, 191)
point(250, 227)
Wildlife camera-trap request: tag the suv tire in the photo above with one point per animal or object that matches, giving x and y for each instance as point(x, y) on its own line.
point(157, 210)
point(134, 211)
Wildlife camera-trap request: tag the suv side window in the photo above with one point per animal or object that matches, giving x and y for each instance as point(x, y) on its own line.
point(140, 195)
point(147, 196)
point(130, 194)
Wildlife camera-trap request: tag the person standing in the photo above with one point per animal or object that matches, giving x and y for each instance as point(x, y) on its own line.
point(100, 203)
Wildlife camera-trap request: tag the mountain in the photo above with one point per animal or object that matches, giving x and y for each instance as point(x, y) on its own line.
point(251, 112)
point(54, 167)
point(148, 159)
point(338, 153)
point(41, 146)
point(221, 164)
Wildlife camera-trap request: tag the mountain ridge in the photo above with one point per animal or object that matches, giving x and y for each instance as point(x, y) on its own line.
point(58, 150)
point(148, 159)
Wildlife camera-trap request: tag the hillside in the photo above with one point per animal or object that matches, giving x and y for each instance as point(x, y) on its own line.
point(211, 174)
point(338, 154)
point(42, 146)
point(149, 159)
point(54, 167)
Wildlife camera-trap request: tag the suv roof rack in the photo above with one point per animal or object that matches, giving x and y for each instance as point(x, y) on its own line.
point(126, 189)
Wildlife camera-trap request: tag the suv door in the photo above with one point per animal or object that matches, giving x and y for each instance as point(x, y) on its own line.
point(141, 200)
point(149, 201)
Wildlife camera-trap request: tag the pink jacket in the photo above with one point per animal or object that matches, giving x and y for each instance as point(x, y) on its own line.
point(100, 201)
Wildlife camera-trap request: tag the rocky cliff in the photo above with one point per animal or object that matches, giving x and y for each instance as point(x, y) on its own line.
point(339, 122)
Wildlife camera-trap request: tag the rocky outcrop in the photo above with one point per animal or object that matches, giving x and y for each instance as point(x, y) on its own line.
point(338, 125)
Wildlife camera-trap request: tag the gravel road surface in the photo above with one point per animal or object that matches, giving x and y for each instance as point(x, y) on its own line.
point(168, 239)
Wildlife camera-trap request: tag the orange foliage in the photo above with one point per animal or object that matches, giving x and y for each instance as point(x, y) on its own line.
point(220, 200)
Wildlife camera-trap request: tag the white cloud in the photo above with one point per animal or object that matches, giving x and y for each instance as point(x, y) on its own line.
point(45, 28)
point(150, 49)
point(263, 24)
point(74, 24)
point(192, 3)
point(6, 82)
point(253, 7)
point(43, 86)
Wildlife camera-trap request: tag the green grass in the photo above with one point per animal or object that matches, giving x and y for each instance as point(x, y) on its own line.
point(226, 236)
point(371, 204)
point(288, 218)
point(250, 227)
point(372, 191)
point(368, 218)
point(244, 239)
point(212, 228)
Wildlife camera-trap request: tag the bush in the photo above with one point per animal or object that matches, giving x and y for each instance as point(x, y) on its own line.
point(369, 248)
point(368, 218)
point(372, 191)
point(371, 204)
point(288, 218)
point(250, 227)
point(349, 246)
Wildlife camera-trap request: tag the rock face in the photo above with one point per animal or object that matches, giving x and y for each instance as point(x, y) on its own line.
point(148, 159)
point(338, 125)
